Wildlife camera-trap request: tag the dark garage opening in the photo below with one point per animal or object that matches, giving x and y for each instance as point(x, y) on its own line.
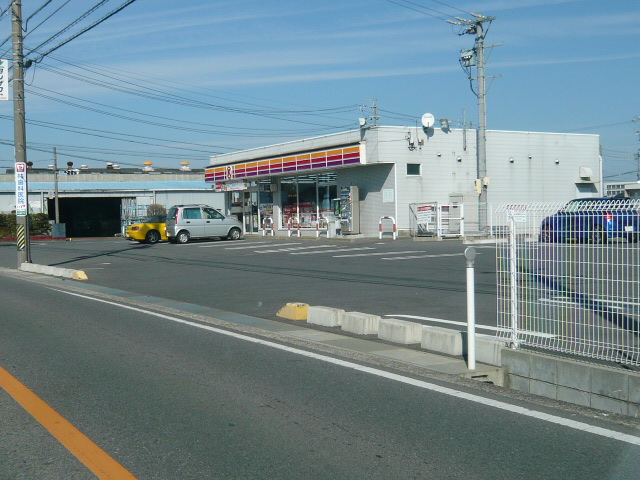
point(89, 216)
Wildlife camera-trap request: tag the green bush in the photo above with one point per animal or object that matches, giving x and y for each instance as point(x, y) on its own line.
point(38, 224)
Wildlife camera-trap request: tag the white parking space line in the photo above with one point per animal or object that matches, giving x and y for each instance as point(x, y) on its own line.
point(379, 254)
point(292, 249)
point(411, 257)
point(333, 251)
point(227, 246)
point(258, 245)
point(451, 392)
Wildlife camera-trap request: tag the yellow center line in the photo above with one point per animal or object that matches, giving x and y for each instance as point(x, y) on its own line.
point(96, 459)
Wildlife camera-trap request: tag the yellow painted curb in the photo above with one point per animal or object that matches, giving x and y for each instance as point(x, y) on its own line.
point(79, 275)
point(294, 311)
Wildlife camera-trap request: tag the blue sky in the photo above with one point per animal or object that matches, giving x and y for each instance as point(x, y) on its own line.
point(171, 81)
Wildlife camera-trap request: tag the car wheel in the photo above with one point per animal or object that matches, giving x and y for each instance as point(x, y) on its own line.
point(182, 237)
point(234, 234)
point(153, 236)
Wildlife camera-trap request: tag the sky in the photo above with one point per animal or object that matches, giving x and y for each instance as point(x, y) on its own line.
point(170, 81)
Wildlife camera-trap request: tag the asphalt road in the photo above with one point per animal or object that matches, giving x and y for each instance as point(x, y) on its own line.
point(257, 276)
point(172, 398)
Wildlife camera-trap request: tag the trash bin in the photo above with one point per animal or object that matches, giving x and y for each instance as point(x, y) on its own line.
point(332, 229)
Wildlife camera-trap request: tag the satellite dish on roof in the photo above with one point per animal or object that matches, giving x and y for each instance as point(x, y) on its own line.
point(428, 120)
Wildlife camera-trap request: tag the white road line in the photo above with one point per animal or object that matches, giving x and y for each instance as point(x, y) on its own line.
point(580, 426)
point(464, 324)
point(293, 249)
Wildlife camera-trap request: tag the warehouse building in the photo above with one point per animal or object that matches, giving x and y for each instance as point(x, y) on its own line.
point(102, 202)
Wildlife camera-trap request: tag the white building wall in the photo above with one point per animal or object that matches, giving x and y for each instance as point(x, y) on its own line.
point(448, 169)
point(371, 181)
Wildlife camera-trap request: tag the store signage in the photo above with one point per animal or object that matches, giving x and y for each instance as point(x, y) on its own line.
point(230, 186)
point(21, 189)
point(340, 157)
point(4, 79)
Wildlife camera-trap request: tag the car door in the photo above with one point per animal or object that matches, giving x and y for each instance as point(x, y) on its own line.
point(193, 221)
point(214, 223)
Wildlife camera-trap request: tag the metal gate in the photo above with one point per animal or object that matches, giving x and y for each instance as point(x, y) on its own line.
point(430, 219)
point(130, 213)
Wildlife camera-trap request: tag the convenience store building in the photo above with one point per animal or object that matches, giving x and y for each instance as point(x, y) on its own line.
point(383, 171)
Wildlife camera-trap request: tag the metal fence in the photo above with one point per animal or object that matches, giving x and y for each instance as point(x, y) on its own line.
point(569, 277)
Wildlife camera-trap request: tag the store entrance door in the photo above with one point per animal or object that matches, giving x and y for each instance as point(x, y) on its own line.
point(250, 211)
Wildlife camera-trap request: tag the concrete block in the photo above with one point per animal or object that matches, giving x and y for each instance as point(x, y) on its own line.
point(516, 382)
point(443, 340)
point(488, 349)
point(399, 331)
point(634, 410)
point(609, 404)
point(53, 271)
point(609, 383)
point(294, 311)
point(544, 369)
point(574, 375)
point(325, 316)
point(634, 388)
point(360, 323)
point(543, 389)
point(517, 362)
point(571, 395)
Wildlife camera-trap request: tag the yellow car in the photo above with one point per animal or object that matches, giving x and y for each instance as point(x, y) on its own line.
point(150, 230)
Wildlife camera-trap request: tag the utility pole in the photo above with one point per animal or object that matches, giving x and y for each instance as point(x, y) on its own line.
point(637, 155)
point(20, 138)
point(55, 183)
point(469, 58)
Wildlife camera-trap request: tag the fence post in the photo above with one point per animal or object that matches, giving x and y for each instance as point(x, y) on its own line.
point(470, 255)
point(513, 279)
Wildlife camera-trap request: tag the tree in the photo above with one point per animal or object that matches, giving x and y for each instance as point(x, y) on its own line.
point(156, 209)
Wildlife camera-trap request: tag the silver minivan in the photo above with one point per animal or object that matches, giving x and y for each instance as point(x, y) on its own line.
point(200, 221)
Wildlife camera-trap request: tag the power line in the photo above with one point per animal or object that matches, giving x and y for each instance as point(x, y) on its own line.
point(227, 130)
point(420, 9)
point(81, 32)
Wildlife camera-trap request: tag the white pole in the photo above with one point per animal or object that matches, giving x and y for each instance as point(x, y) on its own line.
point(470, 255)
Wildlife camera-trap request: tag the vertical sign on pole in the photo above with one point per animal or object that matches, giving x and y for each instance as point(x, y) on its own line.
point(21, 189)
point(4, 79)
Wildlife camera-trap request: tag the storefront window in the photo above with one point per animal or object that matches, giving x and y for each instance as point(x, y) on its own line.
point(306, 197)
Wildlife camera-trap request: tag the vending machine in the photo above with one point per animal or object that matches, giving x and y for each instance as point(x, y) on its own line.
point(349, 210)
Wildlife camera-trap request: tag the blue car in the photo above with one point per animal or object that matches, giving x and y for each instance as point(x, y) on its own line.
point(595, 220)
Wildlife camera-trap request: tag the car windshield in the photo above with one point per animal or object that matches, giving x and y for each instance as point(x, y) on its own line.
point(156, 219)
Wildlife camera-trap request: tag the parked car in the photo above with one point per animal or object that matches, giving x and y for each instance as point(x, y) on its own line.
point(185, 222)
point(595, 220)
point(149, 230)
